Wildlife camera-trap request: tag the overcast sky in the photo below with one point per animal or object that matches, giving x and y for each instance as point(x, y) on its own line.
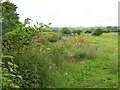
point(71, 13)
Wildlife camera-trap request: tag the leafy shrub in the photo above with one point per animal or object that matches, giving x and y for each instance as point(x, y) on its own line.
point(18, 38)
point(16, 43)
point(40, 40)
point(65, 31)
point(21, 37)
point(97, 32)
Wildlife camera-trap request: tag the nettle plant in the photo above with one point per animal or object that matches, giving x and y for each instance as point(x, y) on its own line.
point(21, 37)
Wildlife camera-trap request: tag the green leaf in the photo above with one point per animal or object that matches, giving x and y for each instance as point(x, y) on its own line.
point(14, 85)
point(6, 74)
point(9, 63)
point(5, 69)
point(47, 27)
point(2, 63)
point(11, 69)
point(43, 48)
point(12, 75)
point(19, 76)
point(7, 56)
point(15, 65)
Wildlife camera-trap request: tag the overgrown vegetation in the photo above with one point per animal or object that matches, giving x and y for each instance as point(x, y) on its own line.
point(32, 58)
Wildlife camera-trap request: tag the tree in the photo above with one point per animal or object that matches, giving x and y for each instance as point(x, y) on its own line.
point(65, 31)
point(109, 28)
point(97, 32)
point(88, 31)
point(10, 17)
point(77, 31)
point(115, 29)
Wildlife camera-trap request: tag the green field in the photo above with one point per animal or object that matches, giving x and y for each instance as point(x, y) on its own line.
point(98, 72)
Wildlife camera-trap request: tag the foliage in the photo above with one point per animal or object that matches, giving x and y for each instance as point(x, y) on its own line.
point(88, 31)
point(37, 65)
point(10, 17)
point(21, 37)
point(39, 39)
point(77, 32)
point(15, 42)
point(47, 67)
point(65, 31)
point(18, 38)
point(106, 31)
point(109, 28)
point(34, 68)
point(97, 32)
point(10, 77)
point(58, 54)
point(53, 37)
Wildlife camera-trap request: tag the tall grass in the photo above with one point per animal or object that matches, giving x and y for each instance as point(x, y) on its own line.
point(96, 64)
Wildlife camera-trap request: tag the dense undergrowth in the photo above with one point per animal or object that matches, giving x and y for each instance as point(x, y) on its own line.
point(36, 59)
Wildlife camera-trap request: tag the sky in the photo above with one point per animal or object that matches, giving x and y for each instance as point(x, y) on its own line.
point(69, 13)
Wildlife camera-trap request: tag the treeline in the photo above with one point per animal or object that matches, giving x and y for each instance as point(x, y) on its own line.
point(93, 31)
point(105, 28)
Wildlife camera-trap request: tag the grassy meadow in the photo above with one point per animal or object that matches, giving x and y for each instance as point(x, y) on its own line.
point(92, 62)
point(79, 61)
